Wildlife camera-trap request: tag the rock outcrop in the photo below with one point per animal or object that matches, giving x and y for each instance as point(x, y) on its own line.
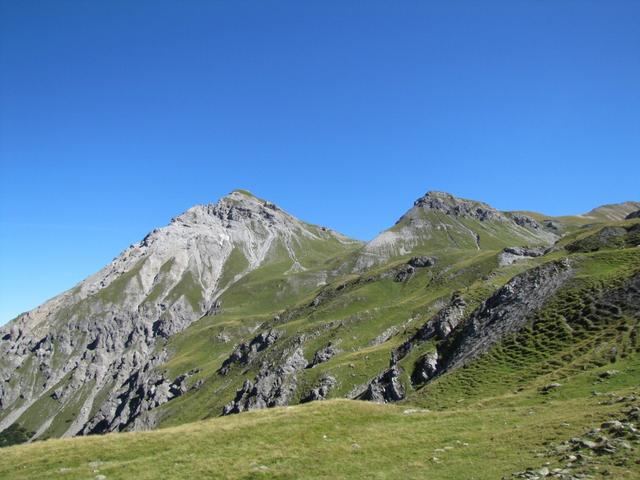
point(245, 352)
point(506, 311)
point(384, 388)
point(327, 382)
point(324, 354)
point(633, 215)
point(450, 205)
point(511, 255)
point(404, 273)
point(525, 221)
point(438, 327)
point(274, 385)
point(425, 368)
point(422, 261)
point(457, 341)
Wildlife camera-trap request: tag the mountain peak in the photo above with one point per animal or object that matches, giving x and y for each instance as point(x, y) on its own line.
point(440, 221)
point(236, 206)
point(241, 192)
point(451, 205)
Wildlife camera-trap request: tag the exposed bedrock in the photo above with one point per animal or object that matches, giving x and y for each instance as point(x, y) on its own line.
point(247, 351)
point(458, 340)
point(274, 385)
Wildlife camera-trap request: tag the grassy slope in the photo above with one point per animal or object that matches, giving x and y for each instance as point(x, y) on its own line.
point(487, 405)
point(352, 318)
point(352, 314)
point(561, 339)
point(494, 235)
point(343, 439)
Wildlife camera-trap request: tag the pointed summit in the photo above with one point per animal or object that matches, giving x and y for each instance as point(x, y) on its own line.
point(235, 206)
point(440, 222)
point(452, 205)
point(243, 192)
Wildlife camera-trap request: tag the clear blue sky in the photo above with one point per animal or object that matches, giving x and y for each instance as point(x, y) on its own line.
point(116, 116)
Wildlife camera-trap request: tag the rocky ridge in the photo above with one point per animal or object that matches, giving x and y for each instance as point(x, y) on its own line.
point(459, 340)
point(441, 218)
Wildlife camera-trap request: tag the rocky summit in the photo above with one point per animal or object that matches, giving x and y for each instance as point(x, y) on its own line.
point(444, 222)
point(458, 331)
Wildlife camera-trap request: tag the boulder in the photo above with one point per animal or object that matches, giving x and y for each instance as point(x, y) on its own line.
point(422, 262)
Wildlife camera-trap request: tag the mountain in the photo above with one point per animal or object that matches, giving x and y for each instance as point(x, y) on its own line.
point(441, 222)
point(482, 330)
point(69, 364)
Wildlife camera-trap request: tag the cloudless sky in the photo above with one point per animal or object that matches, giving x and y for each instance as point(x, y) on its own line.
point(116, 116)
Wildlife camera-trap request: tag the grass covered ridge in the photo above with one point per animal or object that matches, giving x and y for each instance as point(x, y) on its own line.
point(344, 439)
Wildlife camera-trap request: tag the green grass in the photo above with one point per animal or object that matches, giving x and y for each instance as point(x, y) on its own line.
point(353, 313)
point(188, 288)
point(160, 286)
point(236, 264)
point(115, 292)
point(342, 439)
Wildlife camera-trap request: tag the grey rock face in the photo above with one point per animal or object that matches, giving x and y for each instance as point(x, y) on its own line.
point(527, 251)
point(506, 311)
point(439, 327)
point(324, 354)
point(633, 215)
point(404, 273)
point(245, 352)
point(384, 336)
point(425, 368)
point(514, 254)
point(327, 382)
point(131, 407)
point(386, 387)
point(459, 341)
point(525, 221)
point(450, 205)
point(275, 384)
point(422, 262)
